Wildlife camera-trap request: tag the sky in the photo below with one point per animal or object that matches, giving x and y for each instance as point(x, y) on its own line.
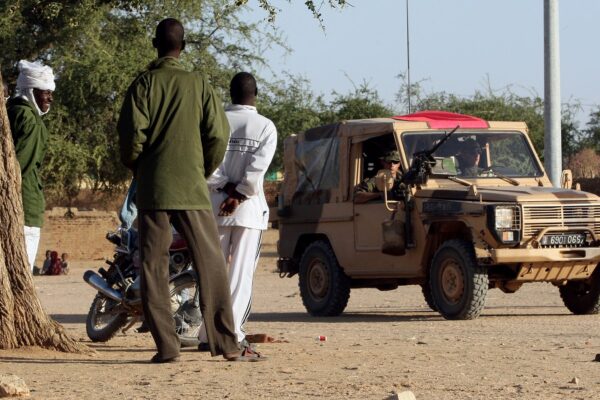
point(457, 46)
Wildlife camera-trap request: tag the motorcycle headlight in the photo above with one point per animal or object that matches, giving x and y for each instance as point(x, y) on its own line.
point(504, 217)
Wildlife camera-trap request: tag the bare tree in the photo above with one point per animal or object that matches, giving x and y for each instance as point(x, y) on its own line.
point(23, 321)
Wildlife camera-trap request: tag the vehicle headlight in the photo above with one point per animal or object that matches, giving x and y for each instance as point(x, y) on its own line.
point(504, 217)
point(504, 221)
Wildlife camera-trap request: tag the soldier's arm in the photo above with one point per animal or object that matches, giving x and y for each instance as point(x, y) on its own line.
point(366, 191)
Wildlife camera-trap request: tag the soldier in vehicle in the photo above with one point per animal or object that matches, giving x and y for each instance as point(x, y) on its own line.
point(468, 159)
point(367, 190)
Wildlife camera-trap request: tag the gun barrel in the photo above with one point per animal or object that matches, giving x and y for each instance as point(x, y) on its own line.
point(441, 142)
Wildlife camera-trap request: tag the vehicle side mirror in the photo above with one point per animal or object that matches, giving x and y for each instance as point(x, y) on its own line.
point(566, 179)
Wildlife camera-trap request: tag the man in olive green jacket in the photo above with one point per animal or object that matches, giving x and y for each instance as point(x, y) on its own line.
point(173, 133)
point(32, 99)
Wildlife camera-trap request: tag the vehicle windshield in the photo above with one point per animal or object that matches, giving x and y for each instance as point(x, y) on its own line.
point(478, 154)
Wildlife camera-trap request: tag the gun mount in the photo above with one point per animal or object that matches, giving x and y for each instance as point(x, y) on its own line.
point(423, 162)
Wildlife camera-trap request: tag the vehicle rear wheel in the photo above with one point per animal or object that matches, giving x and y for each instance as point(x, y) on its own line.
point(582, 297)
point(104, 319)
point(324, 287)
point(458, 284)
point(426, 290)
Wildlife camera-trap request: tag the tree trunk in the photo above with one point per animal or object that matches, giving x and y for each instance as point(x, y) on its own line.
point(23, 321)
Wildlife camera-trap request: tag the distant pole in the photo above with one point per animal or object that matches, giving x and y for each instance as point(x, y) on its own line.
point(407, 60)
point(552, 117)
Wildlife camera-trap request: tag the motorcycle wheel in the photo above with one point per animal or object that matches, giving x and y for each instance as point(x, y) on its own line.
point(186, 309)
point(102, 321)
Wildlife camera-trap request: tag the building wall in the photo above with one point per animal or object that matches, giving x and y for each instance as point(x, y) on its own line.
point(80, 234)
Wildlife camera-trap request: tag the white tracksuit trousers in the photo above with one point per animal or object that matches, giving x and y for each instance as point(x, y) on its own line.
point(241, 248)
point(32, 241)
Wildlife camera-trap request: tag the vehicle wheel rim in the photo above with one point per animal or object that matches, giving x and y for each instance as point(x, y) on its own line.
point(318, 279)
point(182, 298)
point(452, 279)
point(103, 316)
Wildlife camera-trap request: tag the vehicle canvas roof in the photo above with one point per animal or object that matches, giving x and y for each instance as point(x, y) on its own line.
point(423, 120)
point(312, 157)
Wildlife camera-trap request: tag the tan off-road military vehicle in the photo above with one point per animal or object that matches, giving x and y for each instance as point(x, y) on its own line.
point(456, 227)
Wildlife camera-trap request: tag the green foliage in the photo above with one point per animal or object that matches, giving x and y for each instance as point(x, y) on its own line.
point(64, 170)
point(96, 49)
point(591, 134)
point(364, 102)
point(293, 108)
point(272, 11)
point(503, 106)
point(493, 107)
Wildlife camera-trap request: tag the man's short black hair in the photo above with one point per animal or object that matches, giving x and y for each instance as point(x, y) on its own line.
point(169, 35)
point(242, 87)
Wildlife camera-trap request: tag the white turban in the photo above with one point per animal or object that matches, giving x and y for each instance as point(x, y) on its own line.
point(35, 76)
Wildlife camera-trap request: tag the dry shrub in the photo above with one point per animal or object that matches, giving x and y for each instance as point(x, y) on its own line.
point(585, 164)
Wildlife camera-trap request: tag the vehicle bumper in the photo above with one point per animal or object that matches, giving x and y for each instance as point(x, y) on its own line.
point(509, 256)
point(550, 265)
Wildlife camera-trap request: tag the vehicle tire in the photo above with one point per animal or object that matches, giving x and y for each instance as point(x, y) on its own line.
point(324, 287)
point(98, 329)
point(582, 296)
point(426, 290)
point(458, 284)
point(186, 309)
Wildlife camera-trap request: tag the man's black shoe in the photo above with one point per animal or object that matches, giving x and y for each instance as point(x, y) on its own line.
point(157, 359)
point(204, 347)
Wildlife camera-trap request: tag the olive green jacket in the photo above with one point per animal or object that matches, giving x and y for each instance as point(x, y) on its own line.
point(173, 133)
point(31, 139)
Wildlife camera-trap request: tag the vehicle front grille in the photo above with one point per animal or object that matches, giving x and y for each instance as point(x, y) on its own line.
point(538, 217)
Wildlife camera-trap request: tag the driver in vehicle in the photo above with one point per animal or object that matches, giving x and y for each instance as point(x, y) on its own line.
point(367, 190)
point(468, 159)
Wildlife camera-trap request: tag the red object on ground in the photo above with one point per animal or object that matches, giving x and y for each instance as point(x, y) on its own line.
point(444, 120)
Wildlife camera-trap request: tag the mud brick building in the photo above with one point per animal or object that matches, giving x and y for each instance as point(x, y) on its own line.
point(81, 234)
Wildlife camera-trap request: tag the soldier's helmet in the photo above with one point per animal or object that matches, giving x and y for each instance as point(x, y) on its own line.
point(391, 156)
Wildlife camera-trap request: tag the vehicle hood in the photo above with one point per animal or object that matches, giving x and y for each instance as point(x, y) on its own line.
point(509, 194)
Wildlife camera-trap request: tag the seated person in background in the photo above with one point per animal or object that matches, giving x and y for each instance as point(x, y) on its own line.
point(47, 264)
point(65, 263)
point(56, 264)
point(367, 189)
point(468, 159)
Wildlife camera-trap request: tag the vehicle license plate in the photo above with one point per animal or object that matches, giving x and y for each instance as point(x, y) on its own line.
point(564, 239)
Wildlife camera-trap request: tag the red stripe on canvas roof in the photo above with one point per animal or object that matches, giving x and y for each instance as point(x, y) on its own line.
point(444, 119)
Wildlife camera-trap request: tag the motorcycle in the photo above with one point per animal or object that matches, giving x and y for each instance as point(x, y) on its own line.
point(118, 304)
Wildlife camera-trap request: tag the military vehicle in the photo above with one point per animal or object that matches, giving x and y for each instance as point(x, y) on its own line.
point(457, 230)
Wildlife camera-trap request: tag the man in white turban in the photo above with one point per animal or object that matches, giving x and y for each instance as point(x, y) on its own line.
point(32, 99)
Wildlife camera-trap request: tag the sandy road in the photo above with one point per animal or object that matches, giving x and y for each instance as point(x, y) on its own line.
point(524, 346)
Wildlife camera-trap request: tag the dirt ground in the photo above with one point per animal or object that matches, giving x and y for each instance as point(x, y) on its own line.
point(524, 346)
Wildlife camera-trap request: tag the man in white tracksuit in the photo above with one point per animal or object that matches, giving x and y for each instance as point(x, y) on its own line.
point(237, 193)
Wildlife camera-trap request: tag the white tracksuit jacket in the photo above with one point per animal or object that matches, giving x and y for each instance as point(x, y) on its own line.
point(250, 150)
